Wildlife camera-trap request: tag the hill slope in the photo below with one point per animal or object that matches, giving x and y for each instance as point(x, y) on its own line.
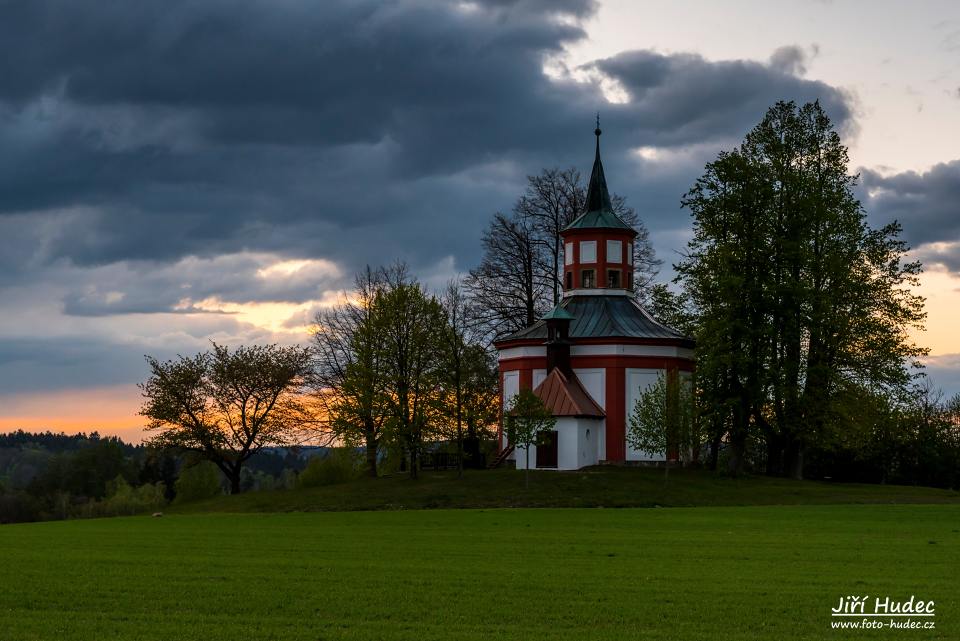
point(593, 487)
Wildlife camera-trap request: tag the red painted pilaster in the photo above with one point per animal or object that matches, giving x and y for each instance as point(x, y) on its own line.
point(526, 378)
point(616, 410)
point(500, 444)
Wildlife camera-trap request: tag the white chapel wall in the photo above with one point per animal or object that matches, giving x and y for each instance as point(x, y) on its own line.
point(538, 377)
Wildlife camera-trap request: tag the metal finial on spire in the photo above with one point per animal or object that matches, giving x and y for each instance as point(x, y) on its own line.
point(597, 131)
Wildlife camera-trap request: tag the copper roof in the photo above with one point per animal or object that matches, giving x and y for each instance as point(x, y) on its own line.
point(604, 317)
point(598, 213)
point(566, 397)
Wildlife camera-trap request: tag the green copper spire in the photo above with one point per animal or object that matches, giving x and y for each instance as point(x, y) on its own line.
point(598, 197)
point(599, 208)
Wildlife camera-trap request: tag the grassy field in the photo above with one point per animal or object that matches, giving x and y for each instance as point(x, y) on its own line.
point(723, 573)
point(595, 487)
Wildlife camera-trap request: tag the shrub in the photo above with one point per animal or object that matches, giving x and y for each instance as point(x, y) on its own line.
point(198, 481)
point(263, 482)
point(124, 500)
point(340, 465)
point(18, 506)
point(288, 479)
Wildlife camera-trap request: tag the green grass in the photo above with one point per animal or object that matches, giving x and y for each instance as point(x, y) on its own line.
point(729, 573)
point(595, 487)
point(760, 559)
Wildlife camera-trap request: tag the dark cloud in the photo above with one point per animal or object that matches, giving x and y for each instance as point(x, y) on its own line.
point(683, 99)
point(927, 204)
point(944, 373)
point(81, 360)
point(578, 8)
point(332, 73)
point(28, 364)
point(126, 288)
point(946, 255)
point(154, 152)
point(192, 128)
point(789, 59)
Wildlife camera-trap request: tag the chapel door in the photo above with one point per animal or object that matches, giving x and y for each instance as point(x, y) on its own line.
point(547, 449)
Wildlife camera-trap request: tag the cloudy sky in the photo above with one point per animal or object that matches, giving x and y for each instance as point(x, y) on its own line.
point(173, 172)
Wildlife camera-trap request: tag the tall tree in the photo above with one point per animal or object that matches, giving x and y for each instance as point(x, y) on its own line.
point(797, 294)
point(349, 368)
point(519, 276)
point(553, 199)
point(481, 393)
point(509, 288)
point(228, 405)
point(463, 368)
point(410, 325)
point(646, 265)
point(673, 309)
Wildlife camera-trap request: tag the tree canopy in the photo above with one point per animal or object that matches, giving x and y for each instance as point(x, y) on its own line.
point(519, 276)
point(525, 419)
point(797, 299)
point(227, 405)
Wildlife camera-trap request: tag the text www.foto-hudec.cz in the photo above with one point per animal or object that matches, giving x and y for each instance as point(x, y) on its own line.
point(860, 612)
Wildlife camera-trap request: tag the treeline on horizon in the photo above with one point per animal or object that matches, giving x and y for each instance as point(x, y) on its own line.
point(53, 475)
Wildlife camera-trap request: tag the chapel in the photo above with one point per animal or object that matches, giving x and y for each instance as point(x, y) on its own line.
point(591, 356)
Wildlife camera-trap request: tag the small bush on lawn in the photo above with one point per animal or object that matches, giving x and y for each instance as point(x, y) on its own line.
point(124, 500)
point(198, 481)
point(340, 465)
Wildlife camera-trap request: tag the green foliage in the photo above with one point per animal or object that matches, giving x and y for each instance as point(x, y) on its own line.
point(225, 405)
point(348, 373)
point(124, 500)
point(18, 506)
point(55, 476)
point(287, 480)
point(394, 367)
point(198, 481)
point(673, 309)
point(663, 419)
point(915, 439)
point(339, 465)
point(526, 417)
point(86, 472)
point(480, 393)
point(410, 323)
point(159, 466)
point(468, 399)
point(796, 296)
